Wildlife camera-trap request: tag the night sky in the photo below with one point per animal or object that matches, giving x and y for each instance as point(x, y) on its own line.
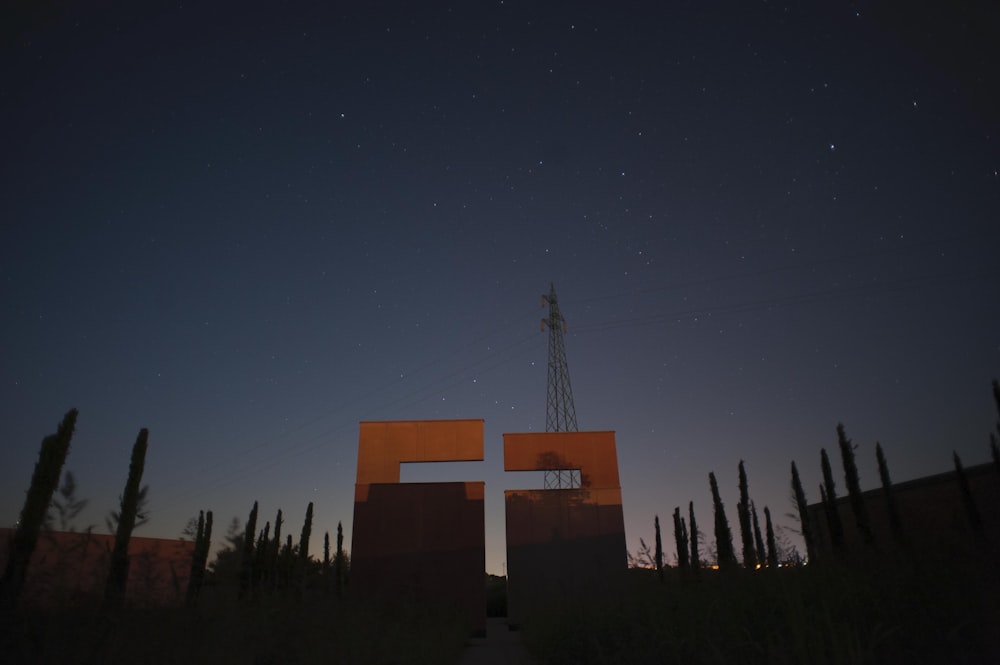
point(248, 228)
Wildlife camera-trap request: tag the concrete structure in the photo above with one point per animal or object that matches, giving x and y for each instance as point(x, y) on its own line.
point(419, 542)
point(931, 511)
point(563, 545)
point(71, 570)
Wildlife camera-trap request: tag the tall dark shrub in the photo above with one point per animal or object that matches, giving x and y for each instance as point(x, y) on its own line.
point(246, 561)
point(772, 548)
point(723, 536)
point(44, 480)
point(274, 546)
point(192, 576)
point(895, 524)
point(743, 512)
point(996, 400)
point(114, 592)
point(658, 556)
point(858, 506)
point(262, 558)
point(995, 452)
point(114, 517)
point(286, 560)
point(758, 541)
point(202, 544)
point(830, 503)
point(804, 524)
point(994, 448)
point(326, 561)
point(680, 539)
point(338, 561)
point(695, 554)
point(306, 534)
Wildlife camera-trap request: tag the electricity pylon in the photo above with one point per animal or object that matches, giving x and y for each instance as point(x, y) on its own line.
point(560, 414)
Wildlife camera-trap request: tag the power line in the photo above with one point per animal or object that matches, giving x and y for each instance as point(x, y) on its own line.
point(773, 270)
point(781, 301)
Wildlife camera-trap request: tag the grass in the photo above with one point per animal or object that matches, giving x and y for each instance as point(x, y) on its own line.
point(834, 613)
point(818, 614)
point(277, 630)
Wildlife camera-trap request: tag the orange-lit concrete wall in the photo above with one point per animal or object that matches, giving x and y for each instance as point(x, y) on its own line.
point(420, 542)
point(384, 445)
point(565, 545)
point(71, 570)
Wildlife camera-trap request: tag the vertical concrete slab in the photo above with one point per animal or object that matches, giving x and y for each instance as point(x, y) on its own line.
point(563, 545)
point(420, 543)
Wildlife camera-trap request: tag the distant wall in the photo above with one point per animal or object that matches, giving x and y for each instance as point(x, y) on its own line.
point(931, 510)
point(70, 569)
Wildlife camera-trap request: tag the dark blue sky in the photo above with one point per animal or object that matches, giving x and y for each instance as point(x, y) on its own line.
point(248, 229)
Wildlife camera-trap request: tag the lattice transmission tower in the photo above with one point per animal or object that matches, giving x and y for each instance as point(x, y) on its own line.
point(560, 414)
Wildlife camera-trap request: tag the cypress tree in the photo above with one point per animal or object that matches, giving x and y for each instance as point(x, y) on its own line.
point(114, 592)
point(858, 506)
point(202, 543)
point(193, 575)
point(829, 494)
point(804, 523)
point(695, 554)
point(758, 541)
point(262, 557)
point(971, 509)
point(895, 524)
point(680, 539)
point(246, 561)
point(206, 545)
point(772, 548)
point(274, 547)
point(287, 559)
point(44, 480)
point(743, 512)
point(659, 548)
point(994, 448)
point(338, 561)
point(306, 533)
point(995, 452)
point(723, 536)
point(326, 561)
point(684, 552)
point(996, 400)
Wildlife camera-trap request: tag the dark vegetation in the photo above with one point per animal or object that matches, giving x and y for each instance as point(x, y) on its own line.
point(874, 598)
point(114, 594)
point(51, 458)
point(260, 600)
point(496, 596)
point(264, 600)
point(814, 614)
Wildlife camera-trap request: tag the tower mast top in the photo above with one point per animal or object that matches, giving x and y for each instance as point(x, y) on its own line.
point(560, 413)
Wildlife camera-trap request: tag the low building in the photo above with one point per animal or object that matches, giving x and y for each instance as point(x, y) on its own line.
point(932, 513)
point(70, 569)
